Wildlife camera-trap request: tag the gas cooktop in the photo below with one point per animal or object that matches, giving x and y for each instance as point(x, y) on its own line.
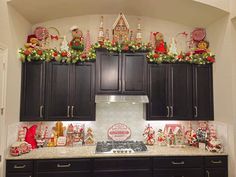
point(120, 147)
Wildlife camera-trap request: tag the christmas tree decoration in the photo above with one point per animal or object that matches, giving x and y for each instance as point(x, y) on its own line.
point(70, 135)
point(64, 45)
point(107, 35)
point(89, 138)
point(87, 42)
point(161, 138)
point(131, 38)
point(120, 28)
point(172, 48)
point(40, 135)
point(149, 135)
point(170, 137)
point(101, 31)
point(139, 33)
point(152, 40)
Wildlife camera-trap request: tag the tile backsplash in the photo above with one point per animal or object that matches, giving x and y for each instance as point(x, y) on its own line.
point(127, 113)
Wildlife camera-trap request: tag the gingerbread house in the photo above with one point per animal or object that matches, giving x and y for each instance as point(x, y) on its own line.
point(120, 28)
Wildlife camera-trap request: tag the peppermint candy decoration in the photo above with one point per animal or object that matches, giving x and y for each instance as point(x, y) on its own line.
point(41, 33)
point(199, 34)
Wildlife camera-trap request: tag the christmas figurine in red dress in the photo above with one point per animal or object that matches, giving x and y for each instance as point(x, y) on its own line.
point(159, 43)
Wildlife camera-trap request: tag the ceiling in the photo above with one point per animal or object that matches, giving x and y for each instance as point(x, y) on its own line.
point(187, 12)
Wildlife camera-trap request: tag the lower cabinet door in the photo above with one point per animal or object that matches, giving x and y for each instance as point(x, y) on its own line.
point(136, 173)
point(216, 172)
point(65, 174)
point(190, 172)
point(19, 175)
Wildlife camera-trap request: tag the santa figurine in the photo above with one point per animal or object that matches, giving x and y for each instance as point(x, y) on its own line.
point(77, 42)
point(159, 43)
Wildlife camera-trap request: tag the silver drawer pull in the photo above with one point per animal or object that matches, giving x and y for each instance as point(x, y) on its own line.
point(177, 163)
point(216, 162)
point(19, 166)
point(63, 166)
point(177, 176)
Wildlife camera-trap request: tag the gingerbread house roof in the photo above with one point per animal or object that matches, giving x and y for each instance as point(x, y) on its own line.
point(121, 15)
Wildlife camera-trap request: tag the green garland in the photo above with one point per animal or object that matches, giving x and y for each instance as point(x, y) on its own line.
point(71, 56)
point(126, 46)
point(194, 58)
point(75, 56)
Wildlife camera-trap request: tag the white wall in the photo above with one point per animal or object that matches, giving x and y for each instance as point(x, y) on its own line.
point(92, 22)
point(221, 4)
point(222, 41)
point(14, 29)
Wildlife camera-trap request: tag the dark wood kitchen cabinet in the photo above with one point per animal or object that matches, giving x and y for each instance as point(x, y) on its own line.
point(21, 168)
point(32, 91)
point(123, 167)
point(216, 166)
point(170, 92)
point(63, 168)
point(203, 92)
point(171, 166)
point(178, 167)
point(70, 92)
point(124, 73)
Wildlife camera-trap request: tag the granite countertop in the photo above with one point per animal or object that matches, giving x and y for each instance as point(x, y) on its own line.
point(89, 152)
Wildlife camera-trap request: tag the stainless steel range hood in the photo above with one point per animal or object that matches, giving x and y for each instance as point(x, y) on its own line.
point(121, 99)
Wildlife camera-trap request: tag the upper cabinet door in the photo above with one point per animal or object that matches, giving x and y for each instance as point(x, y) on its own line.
point(108, 73)
point(203, 92)
point(158, 108)
point(57, 91)
point(180, 91)
point(82, 89)
point(32, 91)
point(134, 75)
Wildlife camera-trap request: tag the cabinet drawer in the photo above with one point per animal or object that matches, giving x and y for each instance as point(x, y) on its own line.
point(216, 161)
point(122, 163)
point(63, 165)
point(19, 175)
point(188, 172)
point(178, 162)
point(20, 166)
point(134, 173)
point(64, 174)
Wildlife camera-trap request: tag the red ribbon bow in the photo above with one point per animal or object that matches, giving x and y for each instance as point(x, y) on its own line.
point(54, 37)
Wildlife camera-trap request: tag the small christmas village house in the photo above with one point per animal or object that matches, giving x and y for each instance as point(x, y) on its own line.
point(120, 28)
point(179, 137)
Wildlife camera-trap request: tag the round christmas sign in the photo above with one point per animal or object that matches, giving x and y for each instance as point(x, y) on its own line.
point(119, 132)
